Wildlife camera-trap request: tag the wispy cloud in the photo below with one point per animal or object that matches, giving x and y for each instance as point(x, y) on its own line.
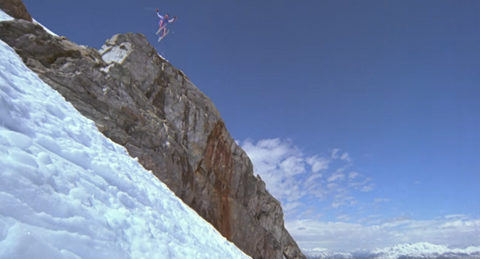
point(292, 176)
point(456, 217)
point(353, 175)
point(367, 188)
point(346, 157)
point(379, 200)
point(304, 182)
point(343, 217)
point(311, 234)
point(318, 163)
point(336, 177)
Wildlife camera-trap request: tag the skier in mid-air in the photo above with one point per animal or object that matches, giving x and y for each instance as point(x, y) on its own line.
point(163, 24)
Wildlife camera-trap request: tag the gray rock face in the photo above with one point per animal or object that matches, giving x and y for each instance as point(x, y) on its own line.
point(16, 9)
point(139, 100)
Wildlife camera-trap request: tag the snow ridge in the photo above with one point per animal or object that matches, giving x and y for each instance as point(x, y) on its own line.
point(320, 253)
point(425, 250)
point(66, 191)
point(403, 251)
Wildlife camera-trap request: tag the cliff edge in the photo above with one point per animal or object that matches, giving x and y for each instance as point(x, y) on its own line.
point(16, 9)
point(139, 100)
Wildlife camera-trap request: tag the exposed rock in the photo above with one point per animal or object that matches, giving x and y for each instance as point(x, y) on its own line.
point(16, 9)
point(141, 101)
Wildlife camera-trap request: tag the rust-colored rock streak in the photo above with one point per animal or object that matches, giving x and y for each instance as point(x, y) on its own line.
point(218, 161)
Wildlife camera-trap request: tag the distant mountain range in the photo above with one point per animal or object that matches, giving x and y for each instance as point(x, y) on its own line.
point(404, 251)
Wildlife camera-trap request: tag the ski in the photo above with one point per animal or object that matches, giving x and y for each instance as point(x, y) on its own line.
point(159, 39)
point(161, 28)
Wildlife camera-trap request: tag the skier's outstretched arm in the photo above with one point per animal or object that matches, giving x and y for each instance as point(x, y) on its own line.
point(172, 20)
point(159, 15)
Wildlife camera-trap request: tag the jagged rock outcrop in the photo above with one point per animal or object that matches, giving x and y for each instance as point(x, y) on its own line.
point(139, 100)
point(16, 9)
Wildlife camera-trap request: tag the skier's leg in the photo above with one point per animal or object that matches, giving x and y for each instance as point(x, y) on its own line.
point(159, 26)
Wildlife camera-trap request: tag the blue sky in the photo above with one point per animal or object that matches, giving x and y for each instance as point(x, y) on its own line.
point(363, 114)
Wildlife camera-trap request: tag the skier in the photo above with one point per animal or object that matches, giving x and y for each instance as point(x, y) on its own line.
point(163, 24)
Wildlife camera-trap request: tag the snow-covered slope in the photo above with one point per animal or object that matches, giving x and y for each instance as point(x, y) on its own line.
point(45, 28)
point(68, 192)
point(4, 16)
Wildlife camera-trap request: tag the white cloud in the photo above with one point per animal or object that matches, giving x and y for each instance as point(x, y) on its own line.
point(343, 217)
point(302, 182)
point(346, 157)
point(311, 234)
point(292, 165)
point(311, 179)
point(456, 216)
point(335, 153)
point(342, 199)
point(371, 219)
point(290, 175)
point(332, 185)
point(379, 200)
point(360, 182)
point(353, 175)
point(290, 206)
point(318, 163)
point(336, 204)
point(335, 177)
point(367, 188)
point(278, 163)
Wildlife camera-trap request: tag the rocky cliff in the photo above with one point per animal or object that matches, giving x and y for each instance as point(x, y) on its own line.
point(16, 9)
point(139, 100)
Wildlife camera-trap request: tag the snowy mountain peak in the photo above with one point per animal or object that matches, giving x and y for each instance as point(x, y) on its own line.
point(320, 253)
point(413, 249)
point(424, 250)
point(402, 251)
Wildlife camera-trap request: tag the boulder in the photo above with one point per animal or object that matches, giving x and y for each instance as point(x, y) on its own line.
point(16, 9)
